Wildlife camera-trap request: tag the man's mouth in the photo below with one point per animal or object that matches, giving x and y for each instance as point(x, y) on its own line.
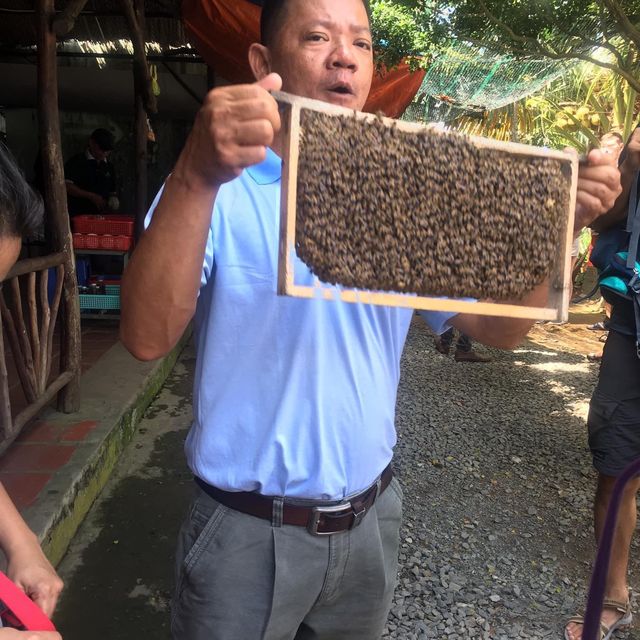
point(341, 88)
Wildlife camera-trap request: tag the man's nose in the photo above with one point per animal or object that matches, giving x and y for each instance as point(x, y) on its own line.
point(342, 58)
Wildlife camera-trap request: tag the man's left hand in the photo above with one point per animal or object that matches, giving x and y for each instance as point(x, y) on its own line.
point(598, 188)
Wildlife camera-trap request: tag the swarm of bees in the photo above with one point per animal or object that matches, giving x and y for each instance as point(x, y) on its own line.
point(427, 213)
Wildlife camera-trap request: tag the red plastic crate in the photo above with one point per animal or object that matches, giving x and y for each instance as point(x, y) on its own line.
point(102, 242)
point(86, 241)
point(115, 243)
point(116, 225)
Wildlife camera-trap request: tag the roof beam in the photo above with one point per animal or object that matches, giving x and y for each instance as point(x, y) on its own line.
point(63, 23)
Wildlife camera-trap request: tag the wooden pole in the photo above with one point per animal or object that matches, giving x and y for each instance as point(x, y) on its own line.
point(56, 200)
point(5, 405)
point(67, 19)
point(142, 89)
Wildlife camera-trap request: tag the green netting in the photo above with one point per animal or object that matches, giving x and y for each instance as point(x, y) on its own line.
point(464, 79)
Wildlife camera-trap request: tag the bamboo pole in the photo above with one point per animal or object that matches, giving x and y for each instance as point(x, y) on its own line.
point(50, 146)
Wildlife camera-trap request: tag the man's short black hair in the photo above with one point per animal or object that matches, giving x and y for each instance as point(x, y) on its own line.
point(21, 209)
point(103, 138)
point(274, 13)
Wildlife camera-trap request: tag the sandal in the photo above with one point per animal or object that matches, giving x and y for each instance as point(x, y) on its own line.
point(606, 633)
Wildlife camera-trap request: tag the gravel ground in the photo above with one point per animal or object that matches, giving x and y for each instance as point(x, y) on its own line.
point(493, 458)
point(497, 536)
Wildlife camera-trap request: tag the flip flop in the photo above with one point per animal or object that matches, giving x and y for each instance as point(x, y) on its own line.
point(606, 633)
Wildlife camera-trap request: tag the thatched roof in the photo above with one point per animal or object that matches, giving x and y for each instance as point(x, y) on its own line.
point(101, 20)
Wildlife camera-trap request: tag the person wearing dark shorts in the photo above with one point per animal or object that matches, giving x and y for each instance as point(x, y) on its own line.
point(614, 425)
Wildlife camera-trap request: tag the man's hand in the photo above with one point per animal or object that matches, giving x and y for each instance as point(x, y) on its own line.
point(231, 132)
point(99, 202)
point(598, 188)
point(12, 634)
point(29, 568)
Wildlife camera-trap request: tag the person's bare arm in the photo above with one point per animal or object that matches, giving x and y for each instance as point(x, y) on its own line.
point(160, 285)
point(27, 565)
point(598, 190)
point(75, 191)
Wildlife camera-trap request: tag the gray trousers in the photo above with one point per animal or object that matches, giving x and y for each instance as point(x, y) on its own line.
point(243, 578)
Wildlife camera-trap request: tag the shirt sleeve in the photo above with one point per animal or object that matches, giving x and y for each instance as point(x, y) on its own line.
point(71, 170)
point(207, 266)
point(438, 321)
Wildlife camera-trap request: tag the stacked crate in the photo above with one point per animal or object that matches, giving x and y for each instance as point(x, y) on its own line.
point(102, 233)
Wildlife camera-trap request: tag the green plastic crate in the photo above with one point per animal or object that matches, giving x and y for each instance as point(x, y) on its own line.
point(91, 301)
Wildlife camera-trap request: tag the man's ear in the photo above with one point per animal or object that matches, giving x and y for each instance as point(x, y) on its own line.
point(259, 60)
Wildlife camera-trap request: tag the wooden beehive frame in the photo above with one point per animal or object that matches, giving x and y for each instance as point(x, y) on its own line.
point(557, 308)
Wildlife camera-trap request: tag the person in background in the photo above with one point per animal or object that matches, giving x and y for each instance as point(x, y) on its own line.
point(20, 213)
point(614, 424)
point(464, 347)
point(90, 177)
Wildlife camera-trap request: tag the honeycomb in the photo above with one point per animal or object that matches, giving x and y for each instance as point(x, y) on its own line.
point(426, 212)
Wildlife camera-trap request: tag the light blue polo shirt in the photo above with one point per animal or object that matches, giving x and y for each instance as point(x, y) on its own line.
point(292, 397)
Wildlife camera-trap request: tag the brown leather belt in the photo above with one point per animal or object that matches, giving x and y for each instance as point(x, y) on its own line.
point(318, 519)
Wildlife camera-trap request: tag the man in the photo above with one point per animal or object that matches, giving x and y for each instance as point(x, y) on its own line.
point(90, 178)
point(614, 422)
point(27, 566)
point(294, 532)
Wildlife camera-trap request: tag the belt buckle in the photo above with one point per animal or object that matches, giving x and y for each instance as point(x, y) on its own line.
point(318, 512)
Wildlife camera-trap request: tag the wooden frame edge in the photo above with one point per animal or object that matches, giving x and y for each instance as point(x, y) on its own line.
point(560, 280)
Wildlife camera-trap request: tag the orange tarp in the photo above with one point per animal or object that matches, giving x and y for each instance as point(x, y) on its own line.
point(222, 31)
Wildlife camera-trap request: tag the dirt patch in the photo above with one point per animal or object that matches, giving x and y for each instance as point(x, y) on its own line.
point(573, 335)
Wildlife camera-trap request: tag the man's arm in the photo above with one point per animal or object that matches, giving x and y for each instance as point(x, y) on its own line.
point(75, 191)
point(161, 283)
point(598, 191)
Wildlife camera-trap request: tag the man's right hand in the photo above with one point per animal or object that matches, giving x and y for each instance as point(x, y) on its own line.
point(12, 634)
point(231, 132)
point(99, 202)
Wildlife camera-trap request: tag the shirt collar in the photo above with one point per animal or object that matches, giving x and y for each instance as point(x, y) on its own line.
point(268, 171)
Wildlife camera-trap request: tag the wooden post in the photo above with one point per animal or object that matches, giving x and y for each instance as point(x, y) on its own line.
point(67, 19)
point(145, 103)
point(5, 405)
point(56, 201)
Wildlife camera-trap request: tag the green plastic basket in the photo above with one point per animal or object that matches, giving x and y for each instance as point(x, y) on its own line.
point(91, 301)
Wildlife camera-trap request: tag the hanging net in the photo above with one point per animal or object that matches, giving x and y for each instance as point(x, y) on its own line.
point(464, 79)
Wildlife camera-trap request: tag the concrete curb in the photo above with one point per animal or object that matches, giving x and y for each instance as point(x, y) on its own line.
point(116, 392)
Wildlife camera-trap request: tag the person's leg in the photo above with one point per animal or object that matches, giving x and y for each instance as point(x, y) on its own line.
point(464, 343)
point(617, 586)
point(358, 590)
point(465, 352)
point(237, 577)
point(614, 440)
point(444, 341)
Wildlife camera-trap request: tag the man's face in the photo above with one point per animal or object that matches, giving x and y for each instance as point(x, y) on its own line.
point(9, 252)
point(324, 51)
point(97, 152)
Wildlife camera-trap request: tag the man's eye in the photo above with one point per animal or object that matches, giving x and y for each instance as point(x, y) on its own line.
point(316, 37)
point(363, 44)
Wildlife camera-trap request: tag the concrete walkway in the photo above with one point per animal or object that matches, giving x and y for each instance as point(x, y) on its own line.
point(60, 463)
point(497, 539)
